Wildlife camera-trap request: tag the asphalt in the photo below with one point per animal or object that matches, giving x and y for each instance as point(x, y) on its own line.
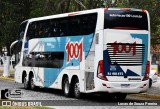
point(153, 92)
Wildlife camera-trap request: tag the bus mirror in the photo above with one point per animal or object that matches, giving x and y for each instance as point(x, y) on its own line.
point(11, 51)
point(12, 46)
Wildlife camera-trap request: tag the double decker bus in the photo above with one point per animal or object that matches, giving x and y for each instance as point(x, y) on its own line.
point(102, 50)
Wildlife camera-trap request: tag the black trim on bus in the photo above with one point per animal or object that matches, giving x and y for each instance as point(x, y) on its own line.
point(61, 27)
point(125, 20)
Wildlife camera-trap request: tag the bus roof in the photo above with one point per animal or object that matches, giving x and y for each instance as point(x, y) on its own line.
point(79, 13)
point(64, 14)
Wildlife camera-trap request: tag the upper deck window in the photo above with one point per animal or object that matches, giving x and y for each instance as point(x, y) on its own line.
point(125, 19)
point(60, 27)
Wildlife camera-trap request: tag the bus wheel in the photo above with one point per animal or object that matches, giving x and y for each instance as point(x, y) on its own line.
point(76, 88)
point(150, 83)
point(32, 84)
point(120, 96)
point(66, 87)
point(25, 83)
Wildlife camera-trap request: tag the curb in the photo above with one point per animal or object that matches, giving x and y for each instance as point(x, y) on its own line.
point(7, 78)
point(145, 95)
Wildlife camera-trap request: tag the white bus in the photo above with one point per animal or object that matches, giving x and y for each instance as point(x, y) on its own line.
point(102, 50)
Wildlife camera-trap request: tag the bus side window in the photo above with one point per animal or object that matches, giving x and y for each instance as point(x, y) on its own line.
point(54, 28)
point(67, 26)
point(31, 31)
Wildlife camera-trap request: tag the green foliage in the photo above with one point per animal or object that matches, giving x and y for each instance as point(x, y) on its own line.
point(152, 6)
point(13, 12)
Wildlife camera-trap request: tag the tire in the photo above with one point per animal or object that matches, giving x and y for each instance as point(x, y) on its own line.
point(66, 88)
point(120, 96)
point(26, 83)
point(32, 85)
point(76, 89)
point(150, 83)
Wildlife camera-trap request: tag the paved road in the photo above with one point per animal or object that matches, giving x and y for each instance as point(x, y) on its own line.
point(155, 89)
point(46, 94)
point(58, 99)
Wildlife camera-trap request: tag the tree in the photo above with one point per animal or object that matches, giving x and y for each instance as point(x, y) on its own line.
point(152, 6)
point(11, 14)
point(14, 12)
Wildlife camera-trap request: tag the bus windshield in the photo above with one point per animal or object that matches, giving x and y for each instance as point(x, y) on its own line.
point(125, 19)
point(16, 49)
point(22, 30)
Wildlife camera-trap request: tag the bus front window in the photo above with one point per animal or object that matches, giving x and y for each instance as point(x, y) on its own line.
point(18, 46)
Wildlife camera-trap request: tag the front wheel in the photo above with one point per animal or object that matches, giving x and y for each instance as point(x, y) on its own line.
point(76, 88)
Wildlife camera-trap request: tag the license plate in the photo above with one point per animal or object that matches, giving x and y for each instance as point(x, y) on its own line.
point(125, 85)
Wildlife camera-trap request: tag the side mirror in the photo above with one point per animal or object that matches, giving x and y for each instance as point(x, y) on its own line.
point(12, 46)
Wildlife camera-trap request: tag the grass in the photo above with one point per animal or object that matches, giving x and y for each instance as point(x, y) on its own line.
point(10, 71)
point(29, 107)
point(146, 96)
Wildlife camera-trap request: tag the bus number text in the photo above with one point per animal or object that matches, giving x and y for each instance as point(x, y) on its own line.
point(127, 48)
point(74, 50)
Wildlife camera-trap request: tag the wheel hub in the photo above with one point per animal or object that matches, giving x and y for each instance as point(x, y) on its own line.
point(32, 83)
point(77, 89)
point(66, 87)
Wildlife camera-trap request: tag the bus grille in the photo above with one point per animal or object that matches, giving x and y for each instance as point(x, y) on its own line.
point(126, 54)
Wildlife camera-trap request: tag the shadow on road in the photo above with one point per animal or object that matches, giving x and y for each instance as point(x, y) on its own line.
point(94, 98)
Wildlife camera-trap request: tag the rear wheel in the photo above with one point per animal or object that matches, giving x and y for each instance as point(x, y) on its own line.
point(32, 84)
point(76, 89)
point(26, 83)
point(66, 87)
